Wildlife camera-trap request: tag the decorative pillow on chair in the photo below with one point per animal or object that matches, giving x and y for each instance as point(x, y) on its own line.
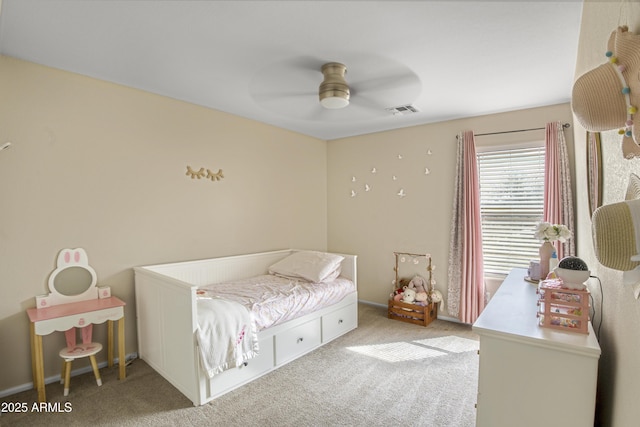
point(309, 265)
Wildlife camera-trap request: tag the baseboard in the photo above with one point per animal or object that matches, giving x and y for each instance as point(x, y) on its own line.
point(56, 378)
point(440, 317)
point(376, 304)
point(448, 319)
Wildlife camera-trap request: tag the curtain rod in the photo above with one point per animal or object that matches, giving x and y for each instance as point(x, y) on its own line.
point(564, 126)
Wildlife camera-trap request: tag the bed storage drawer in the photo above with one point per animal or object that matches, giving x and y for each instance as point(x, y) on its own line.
point(339, 322)
point(255, 367)
point(297, 340)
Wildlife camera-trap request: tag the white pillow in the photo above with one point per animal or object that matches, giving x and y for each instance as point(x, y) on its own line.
point(333, 275)
point(309, 265)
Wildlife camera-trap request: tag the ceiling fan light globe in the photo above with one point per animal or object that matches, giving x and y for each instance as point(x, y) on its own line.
point(334, 102)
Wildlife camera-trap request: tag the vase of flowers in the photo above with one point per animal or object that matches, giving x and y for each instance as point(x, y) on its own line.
point(549, 233)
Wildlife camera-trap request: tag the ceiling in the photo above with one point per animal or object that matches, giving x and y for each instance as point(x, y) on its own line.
point(261, 59)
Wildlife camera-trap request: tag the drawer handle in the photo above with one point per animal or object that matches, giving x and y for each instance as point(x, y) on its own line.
point(340, 321)
point(300, 340)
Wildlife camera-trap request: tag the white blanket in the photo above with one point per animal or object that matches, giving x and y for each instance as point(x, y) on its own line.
point(226, 335)
point(273, 300)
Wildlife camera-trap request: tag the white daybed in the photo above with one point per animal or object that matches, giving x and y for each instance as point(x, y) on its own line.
point(167, 322)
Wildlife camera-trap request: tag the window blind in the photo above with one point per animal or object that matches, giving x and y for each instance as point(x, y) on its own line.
point(511, 205)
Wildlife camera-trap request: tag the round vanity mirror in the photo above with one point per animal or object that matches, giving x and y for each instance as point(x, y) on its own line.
point(73, 281)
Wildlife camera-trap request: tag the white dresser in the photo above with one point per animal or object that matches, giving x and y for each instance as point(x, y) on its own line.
point(529, 375)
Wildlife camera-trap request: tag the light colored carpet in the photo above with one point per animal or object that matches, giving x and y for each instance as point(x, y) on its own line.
point(382, 374)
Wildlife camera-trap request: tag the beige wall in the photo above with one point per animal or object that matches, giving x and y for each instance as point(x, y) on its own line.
point(619, 374)
point(376, 223)
point(101, 166)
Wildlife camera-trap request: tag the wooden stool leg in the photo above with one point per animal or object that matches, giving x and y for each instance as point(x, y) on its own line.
point(96, 372)
point(67, 377)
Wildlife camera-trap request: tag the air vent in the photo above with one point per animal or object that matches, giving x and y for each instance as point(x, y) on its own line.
point(402, 110)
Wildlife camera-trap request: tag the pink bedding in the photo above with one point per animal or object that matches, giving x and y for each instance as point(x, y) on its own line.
point(274, 299)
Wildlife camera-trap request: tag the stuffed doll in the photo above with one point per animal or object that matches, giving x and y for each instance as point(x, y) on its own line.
point(422, 298)
point(396, 295)
point(419, 284)
point(436, 297)
point(408, 295)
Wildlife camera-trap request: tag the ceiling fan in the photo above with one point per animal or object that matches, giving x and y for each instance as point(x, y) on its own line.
point(334, 91)
point(311, 89)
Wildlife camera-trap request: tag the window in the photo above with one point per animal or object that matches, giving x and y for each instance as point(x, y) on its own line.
point(511, 205)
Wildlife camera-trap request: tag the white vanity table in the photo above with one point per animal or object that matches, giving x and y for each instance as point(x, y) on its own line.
point(74, 302)
point(529, 375)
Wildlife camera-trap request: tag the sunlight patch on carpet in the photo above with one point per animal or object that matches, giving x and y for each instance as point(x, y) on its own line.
point(396, 351)
point(451, 344)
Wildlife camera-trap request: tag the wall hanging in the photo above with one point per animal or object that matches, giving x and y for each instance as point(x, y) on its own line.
point(368, 187)
point(616, 235)
point(608, 96)
point(204, 173)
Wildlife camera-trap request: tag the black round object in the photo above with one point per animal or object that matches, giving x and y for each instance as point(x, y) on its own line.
point(573, 263)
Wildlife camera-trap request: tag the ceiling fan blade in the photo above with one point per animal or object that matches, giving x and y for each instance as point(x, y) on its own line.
point(302, 106)
point(387, 95)
point(289, 81)
point(269, 96)
point(369, 106)
point(386, 83)
point(305, 63)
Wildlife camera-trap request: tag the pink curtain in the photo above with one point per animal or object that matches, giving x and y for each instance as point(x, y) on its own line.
point(558, 199)
point(466, 272)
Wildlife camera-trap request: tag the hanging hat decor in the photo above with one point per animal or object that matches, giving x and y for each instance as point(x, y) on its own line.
point(616, 235)
point(608, 97)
